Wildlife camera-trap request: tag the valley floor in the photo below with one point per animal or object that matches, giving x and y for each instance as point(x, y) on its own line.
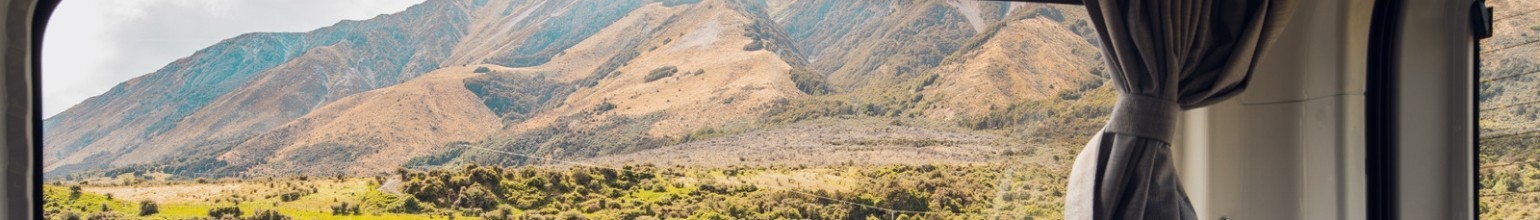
point(979, 191)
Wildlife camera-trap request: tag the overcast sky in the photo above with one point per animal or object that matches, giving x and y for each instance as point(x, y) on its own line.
point(92, 45)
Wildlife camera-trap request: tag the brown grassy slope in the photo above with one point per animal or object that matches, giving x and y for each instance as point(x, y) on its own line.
point(93, 133)
point(584, 58)
point(246, 85)
point(855, 44)
point(828, 143)
point(519, 33)
point(374, 131)
point(1030, 59)
point(708, 38)
point(318, 76)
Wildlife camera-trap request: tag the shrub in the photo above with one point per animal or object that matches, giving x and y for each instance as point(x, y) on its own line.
point(482, 70)
point(104, 216)
point(754, 46)
point(148, 207)
point(604, 107)
point(227, 211)
point(68, 215)
point(75, 192)
point(570, 215)
point(408, 205)
point(290, 196)
point(501, 213)
point(345, 209)
point(268, 215)
point(476, 196)
point(809, 82)
point(661, 72)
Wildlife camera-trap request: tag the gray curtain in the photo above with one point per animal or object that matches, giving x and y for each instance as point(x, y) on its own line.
point(1165, 56)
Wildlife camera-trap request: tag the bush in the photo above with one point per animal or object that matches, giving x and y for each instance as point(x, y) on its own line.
point(68, 215)
point(661, 72)
point(604, 107)
point(104, 216)
point(482, 70)
point(268, 215)
point(502, 213)
point(754, 46)
point(148, 207)
point(75, 192)
point(476, 196)
point(809, 82)
point(290, 196)
point(570, 215)
point(408, 205)
point(228, 211)
point(345, 209)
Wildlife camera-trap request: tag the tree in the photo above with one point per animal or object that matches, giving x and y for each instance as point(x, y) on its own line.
point(268, 215)
point(345, 209)
point(227, 211)
point(75, 192)
point(148, 207)
point(476, 196)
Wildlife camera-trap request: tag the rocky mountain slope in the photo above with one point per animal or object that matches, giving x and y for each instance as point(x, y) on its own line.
point(537, 80)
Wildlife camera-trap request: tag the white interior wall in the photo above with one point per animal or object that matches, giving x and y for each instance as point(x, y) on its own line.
point(1291, 146)
point(1434, 141)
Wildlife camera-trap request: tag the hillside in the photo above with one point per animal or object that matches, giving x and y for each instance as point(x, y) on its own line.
point(222, 95)
point(633, 81)
point(375, 129)
point(872, 41)
point(1036, 54)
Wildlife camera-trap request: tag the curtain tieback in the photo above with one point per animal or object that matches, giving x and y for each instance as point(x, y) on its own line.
point(1144, 116)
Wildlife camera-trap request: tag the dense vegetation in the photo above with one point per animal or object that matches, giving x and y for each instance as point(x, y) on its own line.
point(515, 97)
point(1510, 177)
point(661, 72)
point(1019, 191)
point(631, 192)
point(810, 82)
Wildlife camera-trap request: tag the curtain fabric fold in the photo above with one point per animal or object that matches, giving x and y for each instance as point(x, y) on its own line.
point(1164, 56)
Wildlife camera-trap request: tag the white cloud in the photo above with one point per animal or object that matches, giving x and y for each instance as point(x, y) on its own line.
point(92, 45)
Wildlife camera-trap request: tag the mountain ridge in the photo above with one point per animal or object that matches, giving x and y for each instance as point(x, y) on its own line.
point(364, 96)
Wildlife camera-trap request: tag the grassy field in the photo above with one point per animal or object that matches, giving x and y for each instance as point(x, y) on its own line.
point(193, 200)
point(630, 192)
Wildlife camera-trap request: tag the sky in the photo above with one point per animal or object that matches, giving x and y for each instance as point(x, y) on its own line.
point(92, 45)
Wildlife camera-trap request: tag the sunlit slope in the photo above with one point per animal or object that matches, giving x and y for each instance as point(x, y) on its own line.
point(696, 72)
point(243, 86)
point(375, 130)
point(1035, 56)
point(856, 43)
point(220, 96)
point(582, 79)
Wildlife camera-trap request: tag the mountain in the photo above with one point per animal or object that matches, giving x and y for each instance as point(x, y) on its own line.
point(1035, 54)
point(856, 42)
point(539, 80)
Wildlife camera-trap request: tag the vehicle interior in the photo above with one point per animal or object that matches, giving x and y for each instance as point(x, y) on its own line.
point(1360, 109)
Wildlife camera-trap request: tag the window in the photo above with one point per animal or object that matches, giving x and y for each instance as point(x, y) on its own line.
point(1509, 150)
point(601, 109)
